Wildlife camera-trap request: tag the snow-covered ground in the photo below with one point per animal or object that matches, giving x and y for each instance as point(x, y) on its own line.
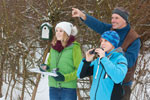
point(3, 98)
point(42, 92)
point(43, 89)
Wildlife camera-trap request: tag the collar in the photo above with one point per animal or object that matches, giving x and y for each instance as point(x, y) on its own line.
point(123, 31)
point(107, 54)
point(119, 50)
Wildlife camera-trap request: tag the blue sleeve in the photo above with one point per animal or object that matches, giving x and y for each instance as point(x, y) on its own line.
point(96, 25)
point(132, 52)
point(116, 70)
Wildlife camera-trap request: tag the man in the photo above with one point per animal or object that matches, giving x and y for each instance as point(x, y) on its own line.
point(129, 41)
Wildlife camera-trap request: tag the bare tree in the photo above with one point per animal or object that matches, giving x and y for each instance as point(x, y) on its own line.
point(20, 22)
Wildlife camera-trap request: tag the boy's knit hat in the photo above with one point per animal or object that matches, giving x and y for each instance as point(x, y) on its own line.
point(112, 37)
point(68, 28)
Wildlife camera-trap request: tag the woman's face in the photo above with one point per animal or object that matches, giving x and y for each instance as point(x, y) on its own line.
point(106, 45)
point(59, 33)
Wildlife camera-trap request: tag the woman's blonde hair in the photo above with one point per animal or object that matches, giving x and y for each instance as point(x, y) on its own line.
point(63, 41)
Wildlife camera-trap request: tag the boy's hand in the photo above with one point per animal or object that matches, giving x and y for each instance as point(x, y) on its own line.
point(100, 52)
point(89, 57)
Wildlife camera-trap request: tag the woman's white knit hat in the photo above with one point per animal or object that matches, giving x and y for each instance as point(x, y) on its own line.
point(68, 28)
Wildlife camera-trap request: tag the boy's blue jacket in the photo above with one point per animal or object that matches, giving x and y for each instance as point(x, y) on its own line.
point(132, 52)
point(112, 69)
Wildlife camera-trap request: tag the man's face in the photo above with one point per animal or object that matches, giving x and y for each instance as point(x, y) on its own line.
point(117, 21)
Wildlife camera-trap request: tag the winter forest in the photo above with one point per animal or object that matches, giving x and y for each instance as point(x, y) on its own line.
point(22, 48)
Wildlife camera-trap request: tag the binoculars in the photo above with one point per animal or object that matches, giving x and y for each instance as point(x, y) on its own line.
point(93, 51)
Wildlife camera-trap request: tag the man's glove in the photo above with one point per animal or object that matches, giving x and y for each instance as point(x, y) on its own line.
point(60, 77)
point(44, 67)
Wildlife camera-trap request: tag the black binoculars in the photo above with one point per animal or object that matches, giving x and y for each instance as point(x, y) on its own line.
point(93, 51)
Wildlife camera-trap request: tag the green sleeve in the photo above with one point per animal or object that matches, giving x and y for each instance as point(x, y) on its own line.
point(77, 56)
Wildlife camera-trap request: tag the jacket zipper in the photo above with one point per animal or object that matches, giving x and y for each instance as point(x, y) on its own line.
point(97, 68)
point(98, 82)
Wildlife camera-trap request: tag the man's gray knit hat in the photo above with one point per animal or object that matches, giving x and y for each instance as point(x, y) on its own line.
point(124, 14)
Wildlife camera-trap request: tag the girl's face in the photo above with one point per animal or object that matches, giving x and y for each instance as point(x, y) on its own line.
point(59, 33)
point(106, 45)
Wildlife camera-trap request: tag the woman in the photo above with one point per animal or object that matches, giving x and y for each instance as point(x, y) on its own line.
point(65, 55)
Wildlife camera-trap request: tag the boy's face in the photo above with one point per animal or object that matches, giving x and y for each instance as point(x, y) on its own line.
point(59, 33)
point(106, 45)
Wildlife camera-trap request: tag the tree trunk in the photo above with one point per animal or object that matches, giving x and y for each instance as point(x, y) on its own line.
point(1, 80)
point(24, 78)
point(1, 75)
point(36, 86)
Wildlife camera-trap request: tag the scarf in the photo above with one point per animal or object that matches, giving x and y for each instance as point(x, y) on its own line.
point(58, 46)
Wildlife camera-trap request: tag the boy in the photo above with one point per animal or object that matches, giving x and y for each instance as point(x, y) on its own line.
point(109, 68)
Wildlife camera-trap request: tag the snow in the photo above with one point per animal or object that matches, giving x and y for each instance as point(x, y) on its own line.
point(43, 88)
point(3, 98)
point(42, 91)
